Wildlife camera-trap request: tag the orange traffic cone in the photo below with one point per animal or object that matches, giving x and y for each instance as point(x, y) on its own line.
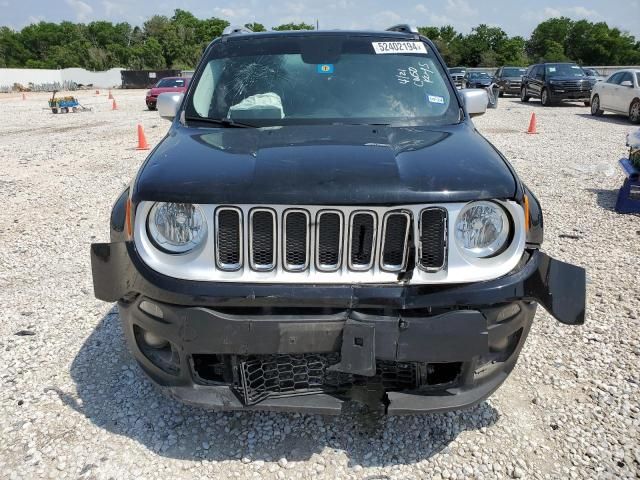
point(532, 124)
point(110, 96)
point(114, 105)
point(142, 140)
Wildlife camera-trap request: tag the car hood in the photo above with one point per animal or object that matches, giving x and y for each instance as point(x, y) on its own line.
point(324, 165)
point(155, 91)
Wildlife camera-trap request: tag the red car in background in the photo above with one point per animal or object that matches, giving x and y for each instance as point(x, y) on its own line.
point(167, 84)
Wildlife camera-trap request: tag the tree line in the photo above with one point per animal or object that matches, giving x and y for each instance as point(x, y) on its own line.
point(177, 42)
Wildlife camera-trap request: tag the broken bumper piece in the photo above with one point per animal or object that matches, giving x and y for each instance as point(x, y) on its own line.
point(309, 348)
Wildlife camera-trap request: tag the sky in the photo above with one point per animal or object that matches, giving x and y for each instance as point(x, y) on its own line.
point(515, 17)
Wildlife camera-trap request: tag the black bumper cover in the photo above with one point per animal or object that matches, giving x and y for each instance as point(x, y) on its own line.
point(425, 323)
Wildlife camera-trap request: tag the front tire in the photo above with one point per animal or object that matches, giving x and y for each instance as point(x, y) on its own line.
point(545, 98)
point(595, 107)
point(634, 111)
point(523, 95)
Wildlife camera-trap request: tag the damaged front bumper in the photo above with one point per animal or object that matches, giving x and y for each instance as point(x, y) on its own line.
point(309, 347)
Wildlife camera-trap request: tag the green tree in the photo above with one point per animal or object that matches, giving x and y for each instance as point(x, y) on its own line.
point(482, 40)
point(256, 27)
point(178, 42)
point(13, 53)
point(447, 40)
point(548, 35)
point(294, 26)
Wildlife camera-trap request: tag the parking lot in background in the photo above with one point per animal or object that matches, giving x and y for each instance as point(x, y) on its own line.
point(76, 405)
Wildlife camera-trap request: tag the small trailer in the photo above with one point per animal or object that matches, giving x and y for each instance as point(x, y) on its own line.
point(65, 104)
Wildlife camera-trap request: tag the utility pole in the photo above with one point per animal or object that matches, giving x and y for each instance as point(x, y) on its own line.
point(317, 24)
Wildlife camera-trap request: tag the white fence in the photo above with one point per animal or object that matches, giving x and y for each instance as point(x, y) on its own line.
point(42, 79)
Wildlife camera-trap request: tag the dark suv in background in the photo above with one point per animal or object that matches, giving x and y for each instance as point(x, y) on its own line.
point(509, 79)
point(555, 82)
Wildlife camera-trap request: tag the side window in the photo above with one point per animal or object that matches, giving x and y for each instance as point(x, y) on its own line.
point(537, 72)
point(626, 76)
point(616, 78)
point(498, 73)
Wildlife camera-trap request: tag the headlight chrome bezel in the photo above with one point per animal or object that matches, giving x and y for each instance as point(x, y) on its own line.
point(498, 245)
point(164, 244)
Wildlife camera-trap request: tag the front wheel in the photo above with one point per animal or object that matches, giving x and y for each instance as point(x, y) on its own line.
point(523, 95)
point(634, 111)
point(595, 106)
point(545, 99)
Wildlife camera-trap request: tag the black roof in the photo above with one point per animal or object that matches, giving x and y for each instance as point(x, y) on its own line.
point(306, 33)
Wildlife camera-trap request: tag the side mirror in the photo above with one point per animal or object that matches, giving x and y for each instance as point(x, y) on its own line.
point(626, 83)
point(168, 104)
point(475, 101)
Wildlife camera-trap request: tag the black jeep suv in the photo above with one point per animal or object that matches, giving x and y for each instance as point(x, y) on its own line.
point(322, 221)
point(555, 82)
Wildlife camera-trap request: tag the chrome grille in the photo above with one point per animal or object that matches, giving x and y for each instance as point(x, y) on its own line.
point(229, 238)
point(329, 241)
point(262, 239)
point(362, 237)
point(394, 241)
point(318, 240)
point(433, 232)
point(296, 240)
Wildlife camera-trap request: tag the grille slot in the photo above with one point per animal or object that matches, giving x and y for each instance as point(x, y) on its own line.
point(362, 240)
point(395, 231)
point(296, 240)
point(228, 238)
point(433, 234)
point(262, 239)
point(329, 241)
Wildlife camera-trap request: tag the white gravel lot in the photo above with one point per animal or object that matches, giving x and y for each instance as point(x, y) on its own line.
point(73, 404)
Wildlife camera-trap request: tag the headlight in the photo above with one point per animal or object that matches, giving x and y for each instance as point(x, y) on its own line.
point(482, 229)
point(177, 227)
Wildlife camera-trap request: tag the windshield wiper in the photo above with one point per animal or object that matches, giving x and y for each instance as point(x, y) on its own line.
point(223, 122)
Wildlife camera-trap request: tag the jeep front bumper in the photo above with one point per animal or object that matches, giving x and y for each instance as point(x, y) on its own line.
point(310, 347)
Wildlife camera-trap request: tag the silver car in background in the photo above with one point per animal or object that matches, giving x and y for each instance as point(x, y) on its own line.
point(457, 74)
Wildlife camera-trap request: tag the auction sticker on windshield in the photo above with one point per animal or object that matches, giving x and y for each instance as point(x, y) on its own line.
point(399, 47)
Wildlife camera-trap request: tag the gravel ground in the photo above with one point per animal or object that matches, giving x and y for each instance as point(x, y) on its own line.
point(74, 404)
